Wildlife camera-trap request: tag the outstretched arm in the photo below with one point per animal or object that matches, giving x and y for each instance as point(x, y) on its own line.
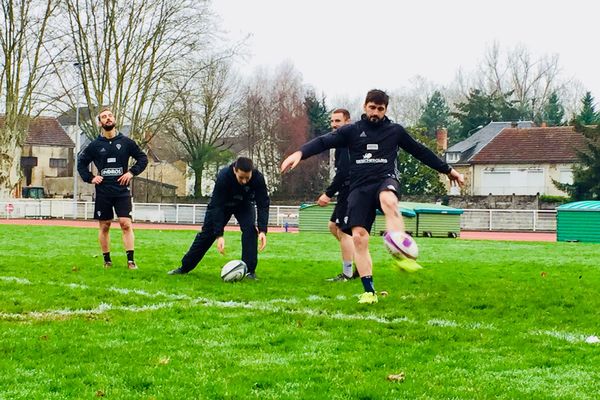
point(456, 178)
point(290, 163)
point(315, 146)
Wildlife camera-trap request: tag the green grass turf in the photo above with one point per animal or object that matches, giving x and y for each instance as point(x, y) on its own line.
point(482, 320)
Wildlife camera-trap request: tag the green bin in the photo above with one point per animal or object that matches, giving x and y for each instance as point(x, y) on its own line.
point(578, 222)
point(410, 221)
point(435, 220)
point(313, 218)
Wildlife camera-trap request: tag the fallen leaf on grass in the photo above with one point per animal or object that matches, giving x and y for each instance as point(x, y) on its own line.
point(396, 377)
point(99, 393)
point(544, 274)
point(164, 360)
point(383, 293)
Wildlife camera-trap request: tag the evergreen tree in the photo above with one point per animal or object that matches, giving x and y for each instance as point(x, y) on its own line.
point(480, 109)
point(415, 177)
point(588, 115)
point(586, 175)
point(318, 115)
point(436, 114)
point(553, 112)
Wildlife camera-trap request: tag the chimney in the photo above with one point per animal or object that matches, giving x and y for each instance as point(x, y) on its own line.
point(441, 136)
point(544, 124)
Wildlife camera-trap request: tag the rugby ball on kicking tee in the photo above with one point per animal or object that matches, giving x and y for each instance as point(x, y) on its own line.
point(234, 271)
point(401, 244)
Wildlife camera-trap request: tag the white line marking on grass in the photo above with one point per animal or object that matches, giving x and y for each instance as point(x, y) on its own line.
point(442, 322)
point(15, 279)
point(267, 306)
point(65, 313)
point(569, 337)
point(147, 294)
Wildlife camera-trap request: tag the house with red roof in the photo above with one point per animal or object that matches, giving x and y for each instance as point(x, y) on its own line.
point(519, 160)
point(47, 153)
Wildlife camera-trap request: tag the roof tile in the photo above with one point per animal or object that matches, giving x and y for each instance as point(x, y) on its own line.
point(532, 145)
point(46, 131)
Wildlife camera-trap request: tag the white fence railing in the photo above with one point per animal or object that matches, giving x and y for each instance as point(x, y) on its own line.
point(483, 219)
point(508, 220)
point(150, 212)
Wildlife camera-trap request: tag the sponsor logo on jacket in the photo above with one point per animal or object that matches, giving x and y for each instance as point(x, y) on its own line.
point(112, 171)
point(368, 159)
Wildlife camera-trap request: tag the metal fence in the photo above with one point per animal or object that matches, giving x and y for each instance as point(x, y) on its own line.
point(472, 219)
point(149, 212)
point(508, 220)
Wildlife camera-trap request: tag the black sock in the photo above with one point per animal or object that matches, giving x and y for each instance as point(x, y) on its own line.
point(106, 256)
point(129, 255)
point(367, 282)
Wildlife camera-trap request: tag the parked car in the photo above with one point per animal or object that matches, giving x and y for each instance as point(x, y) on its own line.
point(33, 192)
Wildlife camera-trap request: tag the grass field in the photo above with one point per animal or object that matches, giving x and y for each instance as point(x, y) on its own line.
point(482, 320)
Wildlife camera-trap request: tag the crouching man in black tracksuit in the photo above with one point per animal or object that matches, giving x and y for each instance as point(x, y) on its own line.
point(110, 152)
point(238, 189)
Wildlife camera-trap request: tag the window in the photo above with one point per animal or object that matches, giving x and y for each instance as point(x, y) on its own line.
point(28, 161)
point(566, 176)
point(62, 167)
point(58, 163)
point(452, 157)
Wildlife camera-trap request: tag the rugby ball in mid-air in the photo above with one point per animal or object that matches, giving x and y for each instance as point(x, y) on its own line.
point(401, 244)
point(234, 271)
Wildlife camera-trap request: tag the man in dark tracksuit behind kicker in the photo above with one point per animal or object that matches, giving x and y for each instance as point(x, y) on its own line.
point(238, 189)
point(340, 187)
point(373, 142)
point(110, 153)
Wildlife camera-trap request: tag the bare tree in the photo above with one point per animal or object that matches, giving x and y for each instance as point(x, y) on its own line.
point(275, 118)
point(128, 49)
point(531, 81)
point(203, 116)
point(24, 65)
point(406, 103)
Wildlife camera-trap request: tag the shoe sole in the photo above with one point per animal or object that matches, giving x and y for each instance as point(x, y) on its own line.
point(408, 265)
point(372, 300)
point(368, 302)
point(338, 279)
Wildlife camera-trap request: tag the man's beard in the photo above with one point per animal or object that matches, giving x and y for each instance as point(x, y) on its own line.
point(108, 127)
point(374, 119)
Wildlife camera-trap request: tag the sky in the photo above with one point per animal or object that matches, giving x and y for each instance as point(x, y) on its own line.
point(343, 48)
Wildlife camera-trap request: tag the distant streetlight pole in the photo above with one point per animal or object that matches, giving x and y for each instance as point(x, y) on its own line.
point(77, 65)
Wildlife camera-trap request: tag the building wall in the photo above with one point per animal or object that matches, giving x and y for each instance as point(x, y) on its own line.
point(467, 189)
point(63, 187)
point(520, 179)
point(43, 169)
point(169, 173)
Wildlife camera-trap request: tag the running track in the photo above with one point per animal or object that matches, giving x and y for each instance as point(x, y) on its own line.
point(469, 235)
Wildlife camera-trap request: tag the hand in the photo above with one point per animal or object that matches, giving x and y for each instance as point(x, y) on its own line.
point(97, 180)
point(290, 163)
point(323, 200)
point(456, 178)
point(262, 238)
point(125, 178)
point(221, 245)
